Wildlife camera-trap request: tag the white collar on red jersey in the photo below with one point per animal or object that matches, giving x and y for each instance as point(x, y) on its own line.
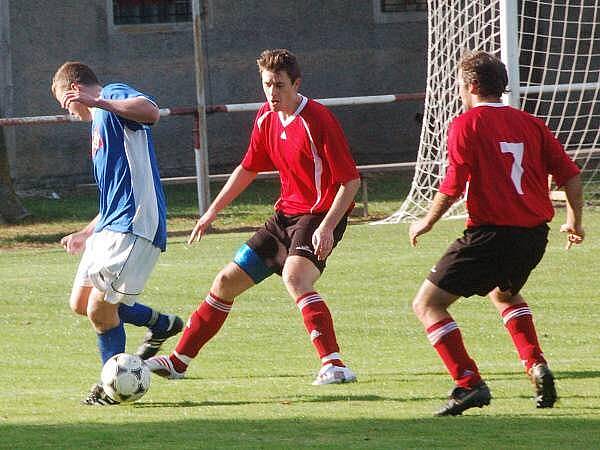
point(286, 122)
point(495, 105)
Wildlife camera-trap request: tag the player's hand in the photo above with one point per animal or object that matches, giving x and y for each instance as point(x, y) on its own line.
point(575, 234)
point(74, 243)
point(417, 229)
point(72, 95)
point(322, 241)
point(201, 226)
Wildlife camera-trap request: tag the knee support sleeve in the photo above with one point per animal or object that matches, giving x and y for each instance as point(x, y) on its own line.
point(249, 261)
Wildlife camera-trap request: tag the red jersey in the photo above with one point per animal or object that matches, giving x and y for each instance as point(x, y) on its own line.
point(310, 152)
point(506, 155)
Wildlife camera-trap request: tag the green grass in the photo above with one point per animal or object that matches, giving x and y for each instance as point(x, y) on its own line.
point(52, 219)
point(250, 386)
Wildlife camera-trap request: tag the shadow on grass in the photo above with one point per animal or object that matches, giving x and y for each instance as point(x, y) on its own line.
point(437, 394)
point(214, 230)
point(252, 228)
point(39, 238)
point(374, 377)
point(245, 377)
point(298, 432)
point(290, 401)
point(577, 374)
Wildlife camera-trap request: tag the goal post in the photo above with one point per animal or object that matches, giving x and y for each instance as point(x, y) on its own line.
point(552, 52)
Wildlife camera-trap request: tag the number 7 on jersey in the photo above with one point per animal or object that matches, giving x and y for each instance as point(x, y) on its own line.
point(516, 173)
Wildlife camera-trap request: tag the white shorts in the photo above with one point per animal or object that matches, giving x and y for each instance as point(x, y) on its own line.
point(118, 264)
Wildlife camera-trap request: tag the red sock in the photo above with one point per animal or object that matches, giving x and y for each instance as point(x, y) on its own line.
point(202, 325)
point(519, 323)
point(447, 340)
point(319, 324)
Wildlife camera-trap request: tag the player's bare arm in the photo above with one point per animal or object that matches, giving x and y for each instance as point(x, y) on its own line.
point(441, 203)
point(237, 183)
point(75, 242)
point(139, 109)
point(573, 226)
point(323, 236)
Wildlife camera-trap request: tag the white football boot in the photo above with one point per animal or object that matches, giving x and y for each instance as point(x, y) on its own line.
point(162, 366)
point(330, 374)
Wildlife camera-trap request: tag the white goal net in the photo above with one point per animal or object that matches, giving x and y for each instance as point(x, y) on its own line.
point(557, 61)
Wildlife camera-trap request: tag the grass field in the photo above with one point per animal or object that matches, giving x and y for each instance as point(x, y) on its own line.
point(250, 386)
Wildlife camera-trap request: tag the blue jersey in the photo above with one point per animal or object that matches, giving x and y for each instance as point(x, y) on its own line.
point(125, 169)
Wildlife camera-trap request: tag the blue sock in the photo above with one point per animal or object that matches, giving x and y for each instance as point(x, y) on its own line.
point(111, 342)
point(138, 314)
point(141, 315)
point(162, 323)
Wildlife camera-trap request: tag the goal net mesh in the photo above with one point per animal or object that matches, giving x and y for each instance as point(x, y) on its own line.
point(559, 67)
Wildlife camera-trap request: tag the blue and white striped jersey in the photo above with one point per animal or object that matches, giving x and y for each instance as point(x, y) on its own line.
point(131, 195)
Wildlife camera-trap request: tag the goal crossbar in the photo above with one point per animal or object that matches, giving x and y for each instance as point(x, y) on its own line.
point(541, 89)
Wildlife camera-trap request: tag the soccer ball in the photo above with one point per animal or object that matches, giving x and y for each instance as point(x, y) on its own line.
point(125, 378)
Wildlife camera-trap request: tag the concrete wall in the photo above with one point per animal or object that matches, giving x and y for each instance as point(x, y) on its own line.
point(341, 49)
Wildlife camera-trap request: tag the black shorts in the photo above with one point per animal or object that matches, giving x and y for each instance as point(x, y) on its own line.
point(283, 235)
point(487, 257)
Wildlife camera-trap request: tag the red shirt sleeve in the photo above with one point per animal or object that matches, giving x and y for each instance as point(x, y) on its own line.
point(342, 165)
point(257, 158)
point(459, 164)
point(558, 163)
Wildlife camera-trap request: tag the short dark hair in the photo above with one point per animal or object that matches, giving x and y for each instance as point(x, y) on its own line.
point(487, 70)
point(73, 72)
point(278, 60)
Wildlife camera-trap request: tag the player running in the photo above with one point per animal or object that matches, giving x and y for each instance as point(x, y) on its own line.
point(303, 141)
point(505, 156)
point(123, 242)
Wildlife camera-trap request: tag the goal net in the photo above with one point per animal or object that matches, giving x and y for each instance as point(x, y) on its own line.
point(558, 65)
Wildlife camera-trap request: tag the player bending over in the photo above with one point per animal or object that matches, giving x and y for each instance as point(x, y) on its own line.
point(123, 242)
point(505, 155)
point(303, 141)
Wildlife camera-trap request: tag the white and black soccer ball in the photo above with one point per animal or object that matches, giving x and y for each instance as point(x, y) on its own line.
point(125, 377)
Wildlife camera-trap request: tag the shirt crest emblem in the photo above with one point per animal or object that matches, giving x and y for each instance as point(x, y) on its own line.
point(97, 142)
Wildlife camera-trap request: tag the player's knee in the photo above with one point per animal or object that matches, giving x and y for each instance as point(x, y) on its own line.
point(221, 281)
point(295, 282)
point(421, 307)
point(417, 307)
point(77, 307)
point(98, 321)
point(287, 277)
point(103, 318)
point(78, 304)
point(225, 284)
point(506, 296)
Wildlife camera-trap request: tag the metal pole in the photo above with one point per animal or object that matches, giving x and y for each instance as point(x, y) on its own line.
point(509, 49)
point(200, 140)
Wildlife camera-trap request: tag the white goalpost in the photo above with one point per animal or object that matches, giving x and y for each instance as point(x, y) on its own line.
point(552, 52)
